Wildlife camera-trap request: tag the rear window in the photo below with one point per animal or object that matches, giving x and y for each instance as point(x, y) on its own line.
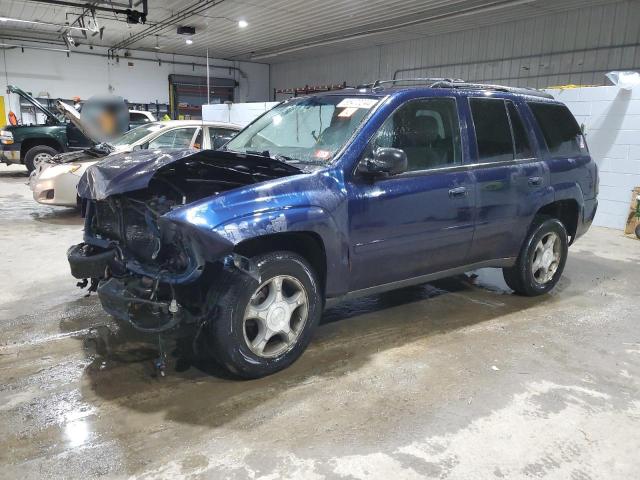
point(138, 117)
point(560, 130)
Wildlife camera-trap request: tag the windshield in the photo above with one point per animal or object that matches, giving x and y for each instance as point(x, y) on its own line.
point(136, 134)
point(309, 129)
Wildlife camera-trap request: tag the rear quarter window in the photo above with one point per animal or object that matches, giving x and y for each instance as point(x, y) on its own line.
point(560, 130)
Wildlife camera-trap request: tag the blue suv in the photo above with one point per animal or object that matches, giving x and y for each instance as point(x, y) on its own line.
point(330, 197)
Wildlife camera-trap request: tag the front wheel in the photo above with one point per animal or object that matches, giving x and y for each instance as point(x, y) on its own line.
point(541, 260)
point(37, 154)
point(262, 327)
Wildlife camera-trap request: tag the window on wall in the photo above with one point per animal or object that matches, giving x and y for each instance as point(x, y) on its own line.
point(560, 130)
point(493, 131)
point(427, 130)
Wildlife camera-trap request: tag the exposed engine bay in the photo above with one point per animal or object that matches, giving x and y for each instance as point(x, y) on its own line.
point(153, 272)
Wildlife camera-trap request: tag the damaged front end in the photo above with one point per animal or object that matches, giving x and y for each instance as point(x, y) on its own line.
point(150, 269)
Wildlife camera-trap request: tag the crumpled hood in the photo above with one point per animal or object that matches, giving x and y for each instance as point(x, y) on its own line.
point(126, 172)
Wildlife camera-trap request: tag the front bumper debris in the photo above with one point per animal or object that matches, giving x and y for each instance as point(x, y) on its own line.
point(87, 261)
point(123, 299)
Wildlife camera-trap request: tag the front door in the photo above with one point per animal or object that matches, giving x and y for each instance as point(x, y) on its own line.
point(420, 221)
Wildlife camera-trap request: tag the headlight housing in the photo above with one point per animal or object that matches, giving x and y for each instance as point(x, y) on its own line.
point(6, 137)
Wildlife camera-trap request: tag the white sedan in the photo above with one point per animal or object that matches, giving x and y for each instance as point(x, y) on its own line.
point(55, 182)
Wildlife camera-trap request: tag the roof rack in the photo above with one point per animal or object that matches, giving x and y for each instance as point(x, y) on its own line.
point(461, 84)
point(428, 80)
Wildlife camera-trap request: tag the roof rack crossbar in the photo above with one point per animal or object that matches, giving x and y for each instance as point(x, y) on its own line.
point(458, 83)
point(499, 88)
point(426, 80)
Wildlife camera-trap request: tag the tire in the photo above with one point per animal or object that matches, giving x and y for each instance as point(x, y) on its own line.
point(36, 153)
point(535, 271)
point(240, 316)
point(638, 230)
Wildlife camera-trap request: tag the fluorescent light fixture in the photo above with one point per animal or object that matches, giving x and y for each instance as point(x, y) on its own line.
point(243, 23)
point(188, 41)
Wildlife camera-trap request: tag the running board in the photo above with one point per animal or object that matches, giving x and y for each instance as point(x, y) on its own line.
point(430, 277)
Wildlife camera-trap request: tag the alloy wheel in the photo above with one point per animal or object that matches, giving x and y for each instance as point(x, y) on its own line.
point(275, 316)
point(546, 258)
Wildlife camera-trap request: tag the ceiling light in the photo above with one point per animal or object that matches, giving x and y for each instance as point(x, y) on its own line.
point(188, 41)
point(243, 23)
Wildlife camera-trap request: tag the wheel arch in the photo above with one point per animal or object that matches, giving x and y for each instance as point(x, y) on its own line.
point(309, 245)
point(312, 225)
point(28, 143)
point(566, 211)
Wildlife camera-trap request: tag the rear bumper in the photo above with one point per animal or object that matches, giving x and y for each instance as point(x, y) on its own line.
point(586, 216)
point(10, 153)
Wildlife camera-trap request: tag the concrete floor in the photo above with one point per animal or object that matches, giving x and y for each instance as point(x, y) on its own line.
point(457, 379)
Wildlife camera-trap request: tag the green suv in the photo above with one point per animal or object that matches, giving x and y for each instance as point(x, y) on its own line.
point(28, 144)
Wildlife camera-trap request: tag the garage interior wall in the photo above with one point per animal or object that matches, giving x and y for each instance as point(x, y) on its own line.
point(89, 72)
point(577, 46)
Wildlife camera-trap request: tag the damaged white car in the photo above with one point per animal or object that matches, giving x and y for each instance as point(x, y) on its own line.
point(55, 181)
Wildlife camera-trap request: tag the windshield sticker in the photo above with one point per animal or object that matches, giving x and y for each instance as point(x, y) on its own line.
point(347, 112)
point(323, 154)
point(357, 103)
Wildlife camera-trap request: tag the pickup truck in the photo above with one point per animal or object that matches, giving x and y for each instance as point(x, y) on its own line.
point(330, 197)
point(30, 144)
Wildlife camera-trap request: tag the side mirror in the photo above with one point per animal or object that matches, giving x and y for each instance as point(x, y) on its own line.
point(384, 163)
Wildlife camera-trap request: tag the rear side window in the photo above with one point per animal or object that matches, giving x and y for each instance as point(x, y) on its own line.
point(520, 138)
point(560, 130)
point(493, 132)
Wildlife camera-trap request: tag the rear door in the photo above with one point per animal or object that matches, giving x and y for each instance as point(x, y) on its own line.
point(420, 221)
point(509, 176)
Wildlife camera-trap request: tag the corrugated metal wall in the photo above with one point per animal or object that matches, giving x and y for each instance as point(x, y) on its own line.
point(577, 46)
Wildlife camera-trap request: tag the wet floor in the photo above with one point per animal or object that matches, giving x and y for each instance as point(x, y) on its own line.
point(454, 379)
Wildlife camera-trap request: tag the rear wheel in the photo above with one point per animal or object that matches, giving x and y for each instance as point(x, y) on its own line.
point(541, 260)
point(262, 327)
point(37, 154)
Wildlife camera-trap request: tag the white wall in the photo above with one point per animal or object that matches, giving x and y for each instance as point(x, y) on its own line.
point(577, 46)
point(84, 75)
point(239, 113)
point(611, 117)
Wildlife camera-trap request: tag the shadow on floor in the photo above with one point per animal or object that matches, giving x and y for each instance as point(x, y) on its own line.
point(348, 336)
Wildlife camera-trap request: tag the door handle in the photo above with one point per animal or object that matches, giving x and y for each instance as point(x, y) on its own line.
point(535, 181)
point(458, 192)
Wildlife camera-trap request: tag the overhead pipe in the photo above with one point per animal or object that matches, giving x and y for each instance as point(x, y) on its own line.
point(34, 47)
point(206, 65)
point(98, 8)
